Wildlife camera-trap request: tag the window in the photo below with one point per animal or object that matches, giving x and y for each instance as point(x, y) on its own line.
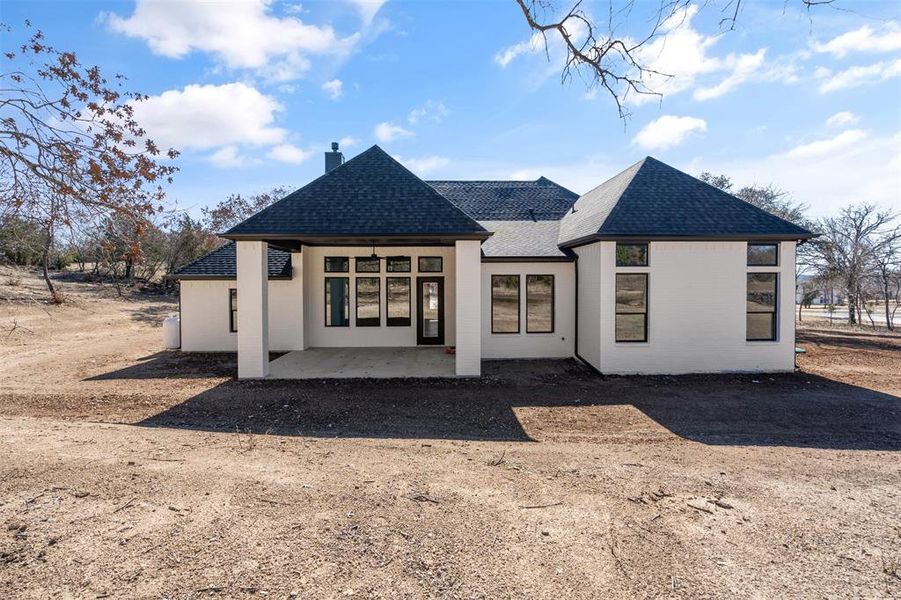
point(431, 264)
point(368, 264)
point(337, 310)
point(368, 303)
point(761, 307)
point(631, 307)
point(505, 304)
point(763, 255)
point(539, 303)
point(398, 297)
point(233, 310)
point(337, 264)
point(631, 255)
point(398, 264)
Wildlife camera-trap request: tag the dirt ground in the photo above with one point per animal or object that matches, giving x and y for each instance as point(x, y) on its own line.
point(132, 472)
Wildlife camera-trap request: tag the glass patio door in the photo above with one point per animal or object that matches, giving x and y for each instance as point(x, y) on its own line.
point(430, 311)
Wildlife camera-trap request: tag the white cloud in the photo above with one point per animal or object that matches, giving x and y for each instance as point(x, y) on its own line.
point(425, 164)
point(241, 34)
point(388, 132)
point(209, 116)
point(840, 119)
point(433, 110)
point(858, 76)
point(348, 141)
point(368, 9)
point(534, 45)
point(827, 146)
point(289, 153)
point(744, 66)
point(228, 157)
point(865, 39)
point(668, 131)
point(334, 88)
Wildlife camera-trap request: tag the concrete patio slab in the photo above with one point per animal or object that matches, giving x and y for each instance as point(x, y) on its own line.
point(380, 363)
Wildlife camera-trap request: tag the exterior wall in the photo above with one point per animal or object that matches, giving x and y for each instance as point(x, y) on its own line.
point(696, 321)
point(469, 322)
point(318, 335)
point(205, 312)
point(589, 286)
point(558, 344)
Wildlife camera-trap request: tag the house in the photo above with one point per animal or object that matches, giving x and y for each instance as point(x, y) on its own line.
point(653, 271)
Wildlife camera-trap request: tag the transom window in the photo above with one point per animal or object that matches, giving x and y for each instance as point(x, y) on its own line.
point(233, 310)
point(431, 264)
point(763, 255)
point(368, 264)
point(761, 307)
point(337, 306)
point(368, 304)
point(337, 264)
point(505, 304)
point(631, 255)
point(398, 264)
point(631, 307)
point(539, 303)
point(398, 298)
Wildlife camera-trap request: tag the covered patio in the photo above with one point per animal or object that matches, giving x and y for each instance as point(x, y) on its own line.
point(378, 363)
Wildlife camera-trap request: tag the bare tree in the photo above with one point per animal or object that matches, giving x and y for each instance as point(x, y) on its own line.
point(71, 151)
point(236, 208)
point(885, 253)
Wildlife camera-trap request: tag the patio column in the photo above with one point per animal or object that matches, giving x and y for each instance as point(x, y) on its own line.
point(253, 310)
point(469, 308)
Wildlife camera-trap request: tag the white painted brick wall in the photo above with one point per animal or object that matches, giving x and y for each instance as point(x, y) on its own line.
point(253, 311)
point(589, 342)
point(468, 305)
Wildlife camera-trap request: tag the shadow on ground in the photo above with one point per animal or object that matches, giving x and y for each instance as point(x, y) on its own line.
point(561, 398)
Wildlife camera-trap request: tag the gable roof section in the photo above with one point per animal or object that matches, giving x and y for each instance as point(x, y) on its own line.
point(652, 200)
point(539, 200)
point(371, 195)
point(222, 263)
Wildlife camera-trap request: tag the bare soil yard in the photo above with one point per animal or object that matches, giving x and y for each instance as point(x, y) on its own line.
point(132, 472)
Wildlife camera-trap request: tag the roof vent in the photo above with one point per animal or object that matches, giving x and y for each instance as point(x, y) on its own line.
point(334, 158)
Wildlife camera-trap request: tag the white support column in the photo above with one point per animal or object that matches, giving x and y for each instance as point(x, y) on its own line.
point(469, 310)
point(253, 310)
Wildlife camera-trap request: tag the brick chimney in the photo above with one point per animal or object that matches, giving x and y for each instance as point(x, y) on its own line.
point(334, 158)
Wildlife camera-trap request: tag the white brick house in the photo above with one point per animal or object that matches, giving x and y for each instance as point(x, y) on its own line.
point(653, 271)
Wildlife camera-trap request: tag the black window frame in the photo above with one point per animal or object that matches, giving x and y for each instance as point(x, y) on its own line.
point(346, 300)
point(647, 308)
point(518, 303)
point(774, 323)
point(647, 254)
point(399, 321)
point(233, 310)
point(775, 263)
point(346, 260)
point(367, 321)
point(388, 260)
point(367, 259)
point(440, 264)
point(553, 302)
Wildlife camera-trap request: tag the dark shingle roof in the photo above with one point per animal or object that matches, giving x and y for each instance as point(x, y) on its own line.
point(221, 263)
point(652, 199)
point(522, 239)
point(370, 195)
point(538, 200)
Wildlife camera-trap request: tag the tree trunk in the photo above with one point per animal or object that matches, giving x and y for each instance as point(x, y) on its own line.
point(45, 261)
point(888, 314)
point(800, 306)
point(852, 305)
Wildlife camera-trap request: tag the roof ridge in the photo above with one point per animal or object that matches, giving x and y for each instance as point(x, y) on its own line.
point(616, 205)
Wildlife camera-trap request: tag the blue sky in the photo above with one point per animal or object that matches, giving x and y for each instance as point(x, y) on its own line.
point(252, 92)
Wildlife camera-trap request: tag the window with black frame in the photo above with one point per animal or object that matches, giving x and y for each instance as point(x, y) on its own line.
point(631, 307)
point(763, 255)
point(631, 255)
point(337, 302)
point(367, 264)
point(431, 264)
point(539, 303)
point(233, 310)
point(368, 302)
point(398, 264)
point(337, 264)
point(505, 304)
point(398, 298)
point(761, 307)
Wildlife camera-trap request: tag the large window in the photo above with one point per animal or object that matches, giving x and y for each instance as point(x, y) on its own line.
point(631, 255)
point(631, 307)
point(539, 303)
point(761, 307)
point(233, 310)
point(368, 304)
point(368, 264)
point(398, 264)
point(337, 307)
point(337, 264)
point(763, 255)
point(431, 264)
point(505, 304)
point(398, 298)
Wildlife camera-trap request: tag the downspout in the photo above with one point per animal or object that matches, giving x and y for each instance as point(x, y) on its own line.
point(576, 331)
